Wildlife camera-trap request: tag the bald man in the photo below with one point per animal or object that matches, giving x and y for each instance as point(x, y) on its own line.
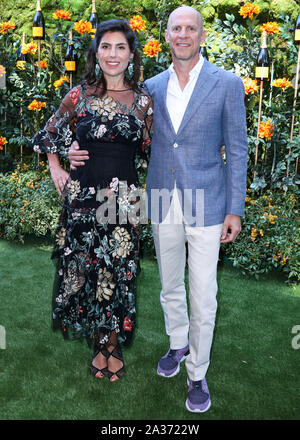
point(198, 108)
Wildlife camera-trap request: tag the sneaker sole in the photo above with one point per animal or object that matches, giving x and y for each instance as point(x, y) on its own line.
point(175, 372)
point(197, 410)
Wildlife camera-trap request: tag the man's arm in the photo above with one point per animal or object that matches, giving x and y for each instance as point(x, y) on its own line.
point(77, 156)
point(236, 144)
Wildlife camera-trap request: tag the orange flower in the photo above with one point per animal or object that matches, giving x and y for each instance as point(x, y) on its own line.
point(271, 27)
point(3, 141)
point(266, 130)
point(36, 105)
point(5, 26)
point(43, 64)
point(2, 70)
point(60, 81)
point(248, 10)
point(29, 48)
point(137, 23)
point(61, 14)
point(152, 48)
point(83, 27)
point(250, 85)
point(282, 83)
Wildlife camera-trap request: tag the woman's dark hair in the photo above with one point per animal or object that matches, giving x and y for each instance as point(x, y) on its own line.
point(114, 25)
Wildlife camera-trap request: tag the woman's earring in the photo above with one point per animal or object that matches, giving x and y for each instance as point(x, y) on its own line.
point(130, 70)
point(98, 71)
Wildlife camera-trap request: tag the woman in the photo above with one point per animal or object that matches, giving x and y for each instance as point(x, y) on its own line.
point(97, 257)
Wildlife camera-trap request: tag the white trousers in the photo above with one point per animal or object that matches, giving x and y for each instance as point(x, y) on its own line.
point(194, 328)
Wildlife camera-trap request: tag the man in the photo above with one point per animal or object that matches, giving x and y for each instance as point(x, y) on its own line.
point(198, 108)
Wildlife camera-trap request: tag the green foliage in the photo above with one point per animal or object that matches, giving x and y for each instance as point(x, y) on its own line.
point(230, 46)
point(29, 203)
point(270, 237)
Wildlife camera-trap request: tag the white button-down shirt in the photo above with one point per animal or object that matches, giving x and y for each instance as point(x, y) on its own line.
point(177, 102)
point(177, 99)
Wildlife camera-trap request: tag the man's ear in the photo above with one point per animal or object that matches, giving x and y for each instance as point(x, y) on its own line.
point(167, 36)
point(203, 36)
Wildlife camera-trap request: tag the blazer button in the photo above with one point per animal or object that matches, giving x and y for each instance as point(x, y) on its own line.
point(175, 145)
point(172, 170)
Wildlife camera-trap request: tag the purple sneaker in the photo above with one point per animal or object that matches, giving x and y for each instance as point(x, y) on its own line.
point(198, 396)
point(169, 365)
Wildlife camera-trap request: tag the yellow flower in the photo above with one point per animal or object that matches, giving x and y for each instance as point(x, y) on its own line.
point(248, 10)
point(250, 85)
point(36, 105)
point(152, 48)
point(261, 232)
point(137, 23)
point(272, 218)
point(62, 14)
point(253, 234)
point(29, 48)
point(83, 27)
point(60, 81)
point(282, 83)
point(21, 65)
point(266, 130)
point(271, 27)
point(5, 26)
point(3, 141)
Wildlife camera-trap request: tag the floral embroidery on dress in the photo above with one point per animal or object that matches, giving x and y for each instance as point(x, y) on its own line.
point(98, 259)
point(106, 107)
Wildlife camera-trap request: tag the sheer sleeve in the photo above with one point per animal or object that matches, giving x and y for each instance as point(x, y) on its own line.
point(146, 110)
point(59, 132)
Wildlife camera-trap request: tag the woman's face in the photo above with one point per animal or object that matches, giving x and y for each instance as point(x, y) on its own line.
point(113, 53)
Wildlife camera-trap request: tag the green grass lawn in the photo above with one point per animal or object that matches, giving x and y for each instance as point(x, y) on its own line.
point(253, 375)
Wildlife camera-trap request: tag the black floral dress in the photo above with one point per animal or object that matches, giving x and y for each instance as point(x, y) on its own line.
point(97, 240)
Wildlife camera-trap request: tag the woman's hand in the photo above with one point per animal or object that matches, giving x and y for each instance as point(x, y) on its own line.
point(59, 177)
point(58, 174)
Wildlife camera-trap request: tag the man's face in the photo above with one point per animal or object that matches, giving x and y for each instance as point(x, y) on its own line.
point(184, 34)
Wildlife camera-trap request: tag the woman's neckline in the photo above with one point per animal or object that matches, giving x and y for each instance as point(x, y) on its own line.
point(118, 90)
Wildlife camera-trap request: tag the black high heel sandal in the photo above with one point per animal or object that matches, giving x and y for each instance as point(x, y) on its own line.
point(103, 350)
point(116, 353)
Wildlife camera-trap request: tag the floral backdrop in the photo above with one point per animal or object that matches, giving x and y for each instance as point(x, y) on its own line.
point(30, 92)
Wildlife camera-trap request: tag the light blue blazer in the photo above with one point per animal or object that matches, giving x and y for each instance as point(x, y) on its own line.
point(215, 116)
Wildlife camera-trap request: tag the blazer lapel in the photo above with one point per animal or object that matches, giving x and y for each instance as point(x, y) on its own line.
point(206, 81)
point(163, 100)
